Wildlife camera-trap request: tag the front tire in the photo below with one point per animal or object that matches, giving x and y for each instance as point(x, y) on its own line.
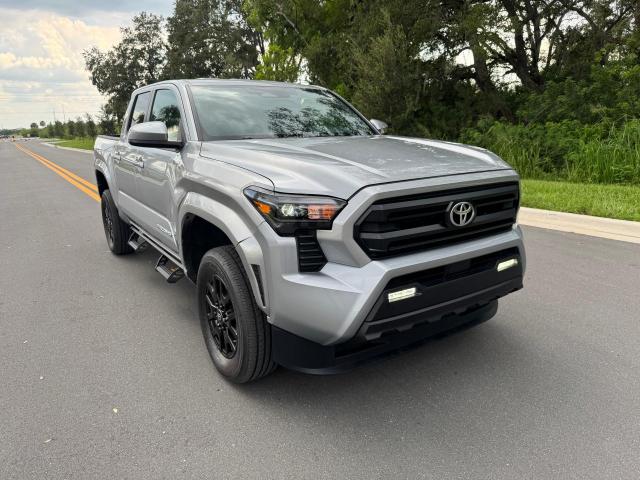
point(235, 331)
point(115, 229)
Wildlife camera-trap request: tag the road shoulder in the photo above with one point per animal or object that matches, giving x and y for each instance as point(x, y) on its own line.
point(90, 152)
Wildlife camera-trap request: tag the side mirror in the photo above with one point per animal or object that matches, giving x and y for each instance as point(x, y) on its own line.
point(152, 135)
point(380, 125)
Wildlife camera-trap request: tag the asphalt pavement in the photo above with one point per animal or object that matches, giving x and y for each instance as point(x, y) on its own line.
point(105, 373)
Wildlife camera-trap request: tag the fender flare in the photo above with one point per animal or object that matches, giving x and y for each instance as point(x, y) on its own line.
point(233, 226)
point(101, 166)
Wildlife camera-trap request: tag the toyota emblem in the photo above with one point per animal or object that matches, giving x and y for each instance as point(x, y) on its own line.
point(462, 214)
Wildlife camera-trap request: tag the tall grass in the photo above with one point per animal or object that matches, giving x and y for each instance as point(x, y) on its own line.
point(615, 159)
point(599, 153)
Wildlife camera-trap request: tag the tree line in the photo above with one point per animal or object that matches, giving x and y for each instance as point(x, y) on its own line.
point(545, 83)
point(86, 126)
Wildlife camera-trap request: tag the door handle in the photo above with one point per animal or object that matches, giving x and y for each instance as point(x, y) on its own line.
point(137, 161)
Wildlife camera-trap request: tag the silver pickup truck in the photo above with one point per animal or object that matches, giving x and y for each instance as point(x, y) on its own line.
point(315, 241)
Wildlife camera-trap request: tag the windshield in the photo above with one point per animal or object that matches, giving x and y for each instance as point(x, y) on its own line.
point(231, 112)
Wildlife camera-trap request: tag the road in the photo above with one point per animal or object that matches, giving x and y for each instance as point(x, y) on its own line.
point(105, 374)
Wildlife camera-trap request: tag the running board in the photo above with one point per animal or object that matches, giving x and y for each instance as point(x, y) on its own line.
point(168, 265)
point(169, 270)
point(138, 243)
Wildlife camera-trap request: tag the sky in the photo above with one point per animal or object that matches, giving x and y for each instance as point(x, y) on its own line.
point(42, 74)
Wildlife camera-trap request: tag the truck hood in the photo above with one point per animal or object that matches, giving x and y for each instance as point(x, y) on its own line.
point(340, 166)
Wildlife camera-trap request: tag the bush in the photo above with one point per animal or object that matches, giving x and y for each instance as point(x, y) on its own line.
point(596, 153)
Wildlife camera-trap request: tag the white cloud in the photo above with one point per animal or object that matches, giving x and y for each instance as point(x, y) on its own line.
point(41, 65)
point(92, 8)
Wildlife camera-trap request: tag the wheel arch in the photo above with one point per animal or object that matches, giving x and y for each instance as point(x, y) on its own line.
point(201, 230)
point(101, 181)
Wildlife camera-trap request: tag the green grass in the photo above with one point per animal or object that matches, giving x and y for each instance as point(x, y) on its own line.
point(85, 143)
point(613, 201)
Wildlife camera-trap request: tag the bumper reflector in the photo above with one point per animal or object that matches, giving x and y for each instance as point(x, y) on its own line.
point(401, 294)
point(507, 264)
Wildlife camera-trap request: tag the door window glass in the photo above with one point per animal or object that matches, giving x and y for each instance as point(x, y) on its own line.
point(165, 109)
point(139, 109)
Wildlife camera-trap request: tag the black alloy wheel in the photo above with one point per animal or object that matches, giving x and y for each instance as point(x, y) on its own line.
point(107, 221)
point(115, 229)
point(235, 330)
point(221, 317)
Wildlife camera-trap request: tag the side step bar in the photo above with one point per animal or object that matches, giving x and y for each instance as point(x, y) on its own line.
point(168, 265)
point(138, 243)
point(170, 271)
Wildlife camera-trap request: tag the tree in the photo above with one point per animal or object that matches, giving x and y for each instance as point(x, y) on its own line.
point(71, 129)
point(91, 128)
point(42, 123)
point(58, 129)
point(33, 132)
point(107, 123)
point(46, 131)
point(428, 67)
point(402, 59)
point(137, 60)
point(81, 130)
point(279, 64)
point(380, 54)
point(210, 38)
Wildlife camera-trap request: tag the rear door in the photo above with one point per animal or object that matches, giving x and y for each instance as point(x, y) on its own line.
point(127, 159)
point(156, 180)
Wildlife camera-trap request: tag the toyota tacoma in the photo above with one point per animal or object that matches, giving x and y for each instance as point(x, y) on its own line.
point(315, 241)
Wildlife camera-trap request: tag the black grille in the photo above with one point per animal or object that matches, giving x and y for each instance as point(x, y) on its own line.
point(454, 271)
point(452, 288)
point(310, 256)
point(394, 226)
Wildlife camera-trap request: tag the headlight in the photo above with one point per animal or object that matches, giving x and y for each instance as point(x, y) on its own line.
point(287, 213)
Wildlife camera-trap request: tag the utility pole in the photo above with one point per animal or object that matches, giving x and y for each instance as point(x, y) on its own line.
point(64, 116)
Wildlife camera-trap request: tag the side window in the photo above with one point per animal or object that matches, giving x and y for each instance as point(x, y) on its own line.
point(165, 109)
point(140, 109)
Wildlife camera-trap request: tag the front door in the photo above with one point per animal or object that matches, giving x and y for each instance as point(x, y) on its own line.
point(127, 161)
point(156, 179)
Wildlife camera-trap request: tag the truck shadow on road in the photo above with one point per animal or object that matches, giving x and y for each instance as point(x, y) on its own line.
point(488, 371)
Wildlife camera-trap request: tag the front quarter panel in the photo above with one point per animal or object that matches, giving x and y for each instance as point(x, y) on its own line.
point(213, 190)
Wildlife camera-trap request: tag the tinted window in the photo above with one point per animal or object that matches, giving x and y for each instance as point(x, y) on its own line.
point(247, 111)
point(165, 109)
point(139, 109)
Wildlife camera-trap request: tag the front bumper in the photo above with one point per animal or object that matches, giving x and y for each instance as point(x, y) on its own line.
point(300, 354)
point(329, 307)
point(446, 298)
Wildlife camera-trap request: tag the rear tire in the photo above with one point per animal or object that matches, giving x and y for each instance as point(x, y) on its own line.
point(235, 330)
point(115, 229)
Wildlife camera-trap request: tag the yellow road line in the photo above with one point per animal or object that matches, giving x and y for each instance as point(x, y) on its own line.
point(86, 183)
point(80, 183)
